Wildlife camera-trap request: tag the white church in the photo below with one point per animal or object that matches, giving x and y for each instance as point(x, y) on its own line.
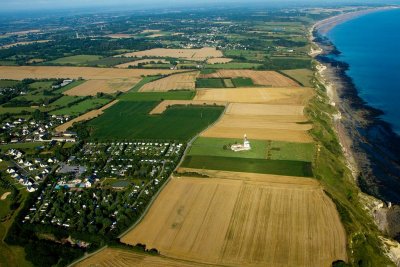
point(242, 147)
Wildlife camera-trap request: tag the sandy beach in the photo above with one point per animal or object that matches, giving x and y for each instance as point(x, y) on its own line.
point(326, 25)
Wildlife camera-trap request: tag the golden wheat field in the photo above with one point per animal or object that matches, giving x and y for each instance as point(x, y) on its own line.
point(280, 120)
point(189, 54)
point(218, 60)
point(140, 61)
point(270, 133)
point(87, 116)
point(266, 78)
point(263, 109)
point(87, 73)
point(124, 258)
point(92, 87)
point(160, 108)
point(178, 81)
point(251, 222)
point(284, 96)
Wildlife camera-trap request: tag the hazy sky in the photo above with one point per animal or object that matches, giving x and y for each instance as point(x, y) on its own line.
point(7, 5)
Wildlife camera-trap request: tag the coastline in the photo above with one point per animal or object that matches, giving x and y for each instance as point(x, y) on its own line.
point(325, 25)
point(370, 145)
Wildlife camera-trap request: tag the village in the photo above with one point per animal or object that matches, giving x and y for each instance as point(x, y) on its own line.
point(34, 130)
point(80, 195)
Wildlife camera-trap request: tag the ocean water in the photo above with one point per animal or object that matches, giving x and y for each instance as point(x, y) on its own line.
point(370, 44)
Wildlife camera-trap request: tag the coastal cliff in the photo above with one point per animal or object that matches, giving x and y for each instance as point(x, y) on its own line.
point(371, 147)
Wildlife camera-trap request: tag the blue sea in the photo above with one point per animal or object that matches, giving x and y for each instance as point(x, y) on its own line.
point(370, 44)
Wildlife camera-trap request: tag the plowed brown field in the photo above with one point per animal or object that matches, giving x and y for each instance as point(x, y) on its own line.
point(249, 222)
point(266, 78)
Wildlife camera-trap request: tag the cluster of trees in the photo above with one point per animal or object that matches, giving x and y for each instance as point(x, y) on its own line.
point(59, 48)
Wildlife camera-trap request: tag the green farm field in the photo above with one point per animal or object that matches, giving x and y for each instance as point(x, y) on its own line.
point(158, 96)
point(130, 120)
point(242, 82)
point(245, 54)
point(81, 107)
point(143, 82)
point(260, 149)
point(108, 61)
point(210, 83)
point(15, 110)
point(278, 167)
point(303, 76)
point(64, 101)
point(41, 85)
point(8, 83)
point(69, 86)
point(76, 60)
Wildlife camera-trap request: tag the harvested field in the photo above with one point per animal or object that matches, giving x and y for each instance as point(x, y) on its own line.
point(87, 116)
point(218, 60)
point(253, 177)
point(259, 133)
point(123, 258)
point(266, 78)
point(285, 96)
point(260, 122)
point(189, 54)
point(263, 109)
point(87, 73)
point(178, 81)
point(135, 63)
point(160, 108)
point(261, 221)
point(92, 87)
